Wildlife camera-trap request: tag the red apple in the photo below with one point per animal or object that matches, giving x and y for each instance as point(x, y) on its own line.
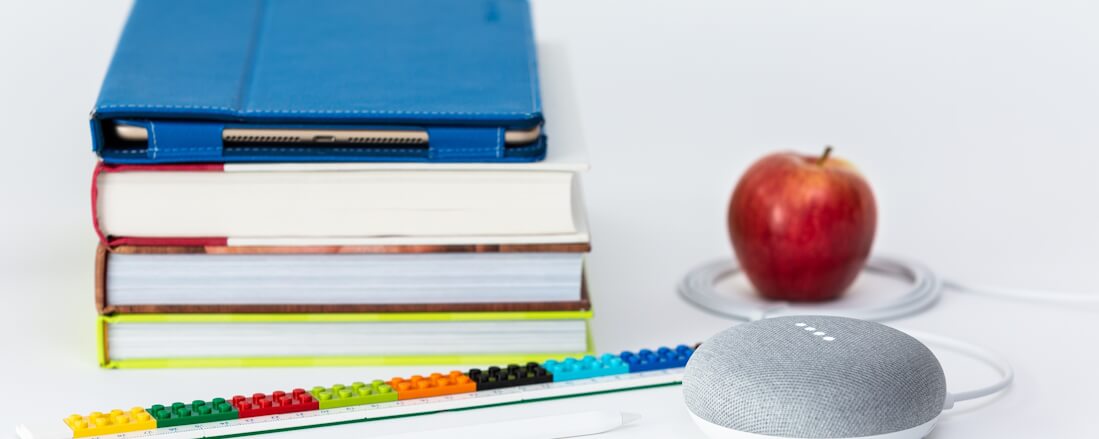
point(802, 226)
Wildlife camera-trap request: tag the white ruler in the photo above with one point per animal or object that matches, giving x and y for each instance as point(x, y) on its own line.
point(372, 412)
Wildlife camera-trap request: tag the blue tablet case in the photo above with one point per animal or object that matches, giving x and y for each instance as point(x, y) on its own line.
point(463, 70)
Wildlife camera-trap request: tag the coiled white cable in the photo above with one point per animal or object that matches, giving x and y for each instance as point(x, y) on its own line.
point(698, 287)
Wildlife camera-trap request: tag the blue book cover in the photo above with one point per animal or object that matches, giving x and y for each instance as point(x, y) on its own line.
point(208, 81)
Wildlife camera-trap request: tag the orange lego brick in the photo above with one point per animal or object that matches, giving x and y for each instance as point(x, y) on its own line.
point(117, 421)
point(435, 385)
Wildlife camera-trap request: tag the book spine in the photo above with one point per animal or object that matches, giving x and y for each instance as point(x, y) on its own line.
point(101, 305)
point(102, 347)
point(95, 202)
point(111, 241)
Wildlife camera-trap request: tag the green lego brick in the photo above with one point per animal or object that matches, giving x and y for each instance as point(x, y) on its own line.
point(358, 393)
point(197, 412)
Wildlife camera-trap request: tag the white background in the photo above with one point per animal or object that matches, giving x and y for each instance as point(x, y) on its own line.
point(977, 124)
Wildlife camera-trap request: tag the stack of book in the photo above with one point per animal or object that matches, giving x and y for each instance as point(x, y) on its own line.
point(257, 206)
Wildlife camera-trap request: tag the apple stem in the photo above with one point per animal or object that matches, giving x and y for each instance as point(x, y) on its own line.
point(824, 156)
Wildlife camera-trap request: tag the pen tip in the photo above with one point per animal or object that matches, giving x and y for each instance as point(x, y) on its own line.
point(628, 418)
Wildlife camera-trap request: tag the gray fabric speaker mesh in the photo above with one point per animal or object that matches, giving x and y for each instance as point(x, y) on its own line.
point(774, 378)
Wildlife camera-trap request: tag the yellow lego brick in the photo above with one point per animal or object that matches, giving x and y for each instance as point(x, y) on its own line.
point(117, 421)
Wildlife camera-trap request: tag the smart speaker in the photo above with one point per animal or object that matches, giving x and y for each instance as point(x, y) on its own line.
point(814, 377)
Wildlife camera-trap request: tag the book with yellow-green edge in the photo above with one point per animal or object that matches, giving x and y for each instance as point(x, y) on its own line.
point(340, 339)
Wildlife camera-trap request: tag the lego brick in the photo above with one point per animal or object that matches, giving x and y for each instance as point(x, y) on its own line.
point(510, 376)
point(277, 402)
point(114, 422)
point(435, 385)
point(663, 358)
point(358, 393)
point(197, 412)
point(587, 367)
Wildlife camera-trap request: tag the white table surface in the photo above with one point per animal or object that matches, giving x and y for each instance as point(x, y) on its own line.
point(976, 123)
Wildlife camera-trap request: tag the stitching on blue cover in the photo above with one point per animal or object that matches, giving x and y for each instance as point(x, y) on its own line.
point(391, 112)
point(385, 112)
point(393, 150)
point(152, 131)
point(487, 148)
point(499, 142)
point(194, 107)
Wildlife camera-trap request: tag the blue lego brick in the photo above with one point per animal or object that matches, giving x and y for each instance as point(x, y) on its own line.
point(663, 358)
point(587, 367)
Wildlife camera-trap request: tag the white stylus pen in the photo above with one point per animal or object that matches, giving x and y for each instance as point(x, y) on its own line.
point(542, 427)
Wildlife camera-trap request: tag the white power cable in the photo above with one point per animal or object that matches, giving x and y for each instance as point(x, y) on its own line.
point(992, 359)
point(699, 288)
point(1035, 295)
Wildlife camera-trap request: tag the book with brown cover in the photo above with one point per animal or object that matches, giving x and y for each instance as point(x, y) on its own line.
point(104, 306)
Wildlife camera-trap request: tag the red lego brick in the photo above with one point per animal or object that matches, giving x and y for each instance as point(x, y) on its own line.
point(276, 403)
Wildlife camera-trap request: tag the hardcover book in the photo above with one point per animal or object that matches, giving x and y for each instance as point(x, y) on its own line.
point(343, 279)
point(285, 340)
point(150, 204)
point(294, 204)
